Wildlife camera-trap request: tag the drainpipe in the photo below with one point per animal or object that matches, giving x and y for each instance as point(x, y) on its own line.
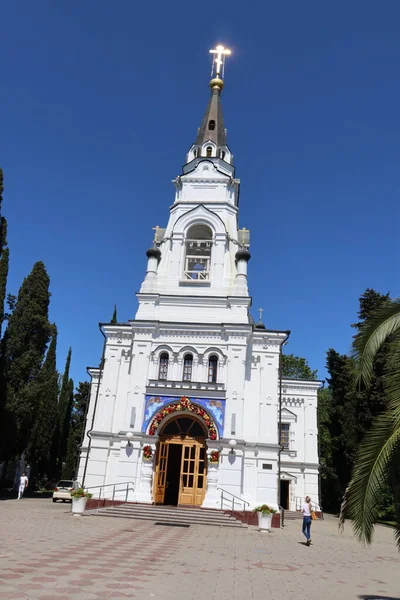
point(95, 404)
point(280, 416)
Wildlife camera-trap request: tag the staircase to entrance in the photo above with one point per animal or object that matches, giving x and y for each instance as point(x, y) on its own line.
point(169, 515)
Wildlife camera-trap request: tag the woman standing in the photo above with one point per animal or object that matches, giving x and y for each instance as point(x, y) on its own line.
point(307, 508)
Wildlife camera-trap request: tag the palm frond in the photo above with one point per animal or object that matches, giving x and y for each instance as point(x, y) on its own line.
point(368, 341)
point(370, 471)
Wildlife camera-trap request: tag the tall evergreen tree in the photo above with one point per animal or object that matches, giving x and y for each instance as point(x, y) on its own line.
point(76, 431)
point(44, 392)
point(23, 348)
point(114, 317)
point(352, 410)
point(4, 255)
point(65, 402)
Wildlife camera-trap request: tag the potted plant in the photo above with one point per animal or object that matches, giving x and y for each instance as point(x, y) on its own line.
point(265, 513)
point(79, 499)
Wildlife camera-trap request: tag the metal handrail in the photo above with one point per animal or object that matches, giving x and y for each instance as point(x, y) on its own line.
point(128, 484)
point(282, 511)
point(233, 501)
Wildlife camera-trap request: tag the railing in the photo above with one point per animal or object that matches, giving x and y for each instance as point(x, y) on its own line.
point(223, 497)
point(127, 485)
point(299, 501)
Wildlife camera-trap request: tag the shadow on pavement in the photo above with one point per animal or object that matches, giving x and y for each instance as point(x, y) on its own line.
point(374, 597)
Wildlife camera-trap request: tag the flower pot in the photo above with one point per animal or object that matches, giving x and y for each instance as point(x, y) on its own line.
point(78, 506)
point(264, 521)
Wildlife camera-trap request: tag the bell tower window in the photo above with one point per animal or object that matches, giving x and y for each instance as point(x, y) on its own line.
point(209, 151)
point(211, 125)
point(198, 253)
point(163, 367)
point(212, 369)
point(187, 367)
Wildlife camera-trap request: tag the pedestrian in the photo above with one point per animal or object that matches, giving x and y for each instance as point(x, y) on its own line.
point(23, 484)
point(307, 510)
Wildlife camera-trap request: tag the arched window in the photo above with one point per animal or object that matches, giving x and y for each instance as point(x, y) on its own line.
point(211, 125)
point(209, 151)
point(212, 369)
point(187, 367)
point(198, 253)
point(163, 368)
point(222, 154)
point(195, 153)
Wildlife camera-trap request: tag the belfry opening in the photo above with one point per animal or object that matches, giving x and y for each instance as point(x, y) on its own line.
point(181, 462)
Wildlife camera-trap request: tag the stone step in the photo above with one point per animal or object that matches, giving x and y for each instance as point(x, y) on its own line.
point(170, 515)
point(290, 515)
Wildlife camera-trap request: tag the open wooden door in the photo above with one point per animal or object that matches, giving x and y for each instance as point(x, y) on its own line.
point(193, 475)
point(161, 473)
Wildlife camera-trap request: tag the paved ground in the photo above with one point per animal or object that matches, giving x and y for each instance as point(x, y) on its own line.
point(47, 554)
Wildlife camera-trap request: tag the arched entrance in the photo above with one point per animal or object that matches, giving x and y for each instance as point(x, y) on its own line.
point(181, 462)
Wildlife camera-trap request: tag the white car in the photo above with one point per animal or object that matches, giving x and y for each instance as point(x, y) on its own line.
point(63, 490)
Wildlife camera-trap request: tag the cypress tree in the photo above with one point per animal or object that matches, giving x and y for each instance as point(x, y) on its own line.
point(44, 394)
point(23, 348)
point(114, 317)
point(4, 255)
point(77, 428)
point(64, 410)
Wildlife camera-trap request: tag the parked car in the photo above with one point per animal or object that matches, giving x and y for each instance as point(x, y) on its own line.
point(63, 490)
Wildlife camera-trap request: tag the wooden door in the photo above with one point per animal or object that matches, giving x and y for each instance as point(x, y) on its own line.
point(161, 473)
point(193, 475)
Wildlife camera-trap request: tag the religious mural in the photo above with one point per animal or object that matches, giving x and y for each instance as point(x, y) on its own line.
point(215, 408)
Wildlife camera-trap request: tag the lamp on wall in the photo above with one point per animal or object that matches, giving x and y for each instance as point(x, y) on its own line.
point(232, 444)
point(129, 437)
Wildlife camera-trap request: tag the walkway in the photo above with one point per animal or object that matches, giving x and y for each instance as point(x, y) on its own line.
point(47, 554)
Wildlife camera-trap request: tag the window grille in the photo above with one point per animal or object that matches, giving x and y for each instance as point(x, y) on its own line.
point(187, 367)
point(212, 369)
point(285, 430)
point(163, 368)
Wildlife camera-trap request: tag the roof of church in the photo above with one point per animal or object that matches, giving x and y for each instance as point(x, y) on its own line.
point(213, 113)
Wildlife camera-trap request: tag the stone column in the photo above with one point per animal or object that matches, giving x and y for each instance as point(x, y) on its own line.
point(144, 489)
point(212, 499)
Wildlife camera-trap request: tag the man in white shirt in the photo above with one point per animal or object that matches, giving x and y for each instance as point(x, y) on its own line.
point(23, 484)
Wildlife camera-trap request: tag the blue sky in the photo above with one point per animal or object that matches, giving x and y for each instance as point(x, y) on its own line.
point(101, 100)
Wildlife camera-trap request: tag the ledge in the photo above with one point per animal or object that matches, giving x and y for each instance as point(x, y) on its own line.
point(187, 387)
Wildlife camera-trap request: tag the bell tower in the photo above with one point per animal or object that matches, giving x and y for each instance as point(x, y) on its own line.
point(197, 266)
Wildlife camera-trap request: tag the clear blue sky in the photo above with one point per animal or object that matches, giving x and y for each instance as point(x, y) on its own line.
point(100, 101)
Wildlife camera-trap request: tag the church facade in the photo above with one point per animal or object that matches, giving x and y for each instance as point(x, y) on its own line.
point(188, 405)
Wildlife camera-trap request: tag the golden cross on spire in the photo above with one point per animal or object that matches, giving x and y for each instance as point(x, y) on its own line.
point(261, 310)
point(218, 63)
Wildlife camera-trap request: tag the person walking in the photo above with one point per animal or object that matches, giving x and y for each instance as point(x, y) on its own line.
point(23, 484)
point(307, 509)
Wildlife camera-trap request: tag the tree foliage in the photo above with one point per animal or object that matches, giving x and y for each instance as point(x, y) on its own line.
point(24, 346)
point(76, 431)
point(44, 392)
point(295, 367)
point(114, 318)
point(65, 402)
point(4, 255)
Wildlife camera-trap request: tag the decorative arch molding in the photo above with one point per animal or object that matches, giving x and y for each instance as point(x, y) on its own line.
point(183, 406)
point(187, 350)
point(199, 215)
point(155, 354)
point(214, 350)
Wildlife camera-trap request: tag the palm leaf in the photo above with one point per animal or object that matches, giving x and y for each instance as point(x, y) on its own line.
point(371, 470)
point(367, 342)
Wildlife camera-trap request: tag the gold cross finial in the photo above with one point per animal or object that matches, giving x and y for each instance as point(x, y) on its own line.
point(261, 310)
point(243, 231)
point(218, 63)
point(156, 228)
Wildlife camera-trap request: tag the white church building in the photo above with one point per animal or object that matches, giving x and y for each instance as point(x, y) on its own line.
point(188, 403)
